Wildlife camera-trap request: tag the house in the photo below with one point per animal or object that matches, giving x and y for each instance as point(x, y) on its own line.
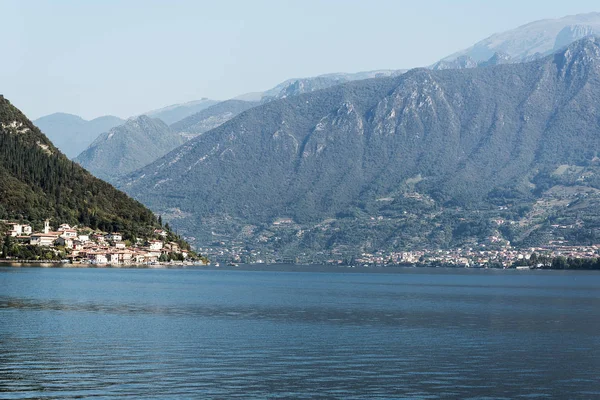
point(155, 244)
point(19, 229)
point(64, 227)
point(172, 247)
point(97, 237)
point(160, 232)
point(65, 241)
point(97, 257)
point(114, 237)
point(84, 238)
point(145, 257)
point(120, 245)
point(121, 257)
point(68, 233)
point(42, 239)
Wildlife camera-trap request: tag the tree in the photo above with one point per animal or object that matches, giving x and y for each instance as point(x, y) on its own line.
point(7, 246)
point(559, 263)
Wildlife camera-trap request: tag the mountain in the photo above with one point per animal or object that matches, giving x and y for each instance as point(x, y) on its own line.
point(211, 117)
point(128, 147)
point(296, 86)
point(37, 182)
point(533, 40)
point(177, 112)
point(134, 146)
point(425, 159)
point(71, 133)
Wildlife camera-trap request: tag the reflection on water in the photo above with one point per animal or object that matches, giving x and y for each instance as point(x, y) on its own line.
point(203, 334)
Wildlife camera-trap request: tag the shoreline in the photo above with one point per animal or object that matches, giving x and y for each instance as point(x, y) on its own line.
point(280, 267)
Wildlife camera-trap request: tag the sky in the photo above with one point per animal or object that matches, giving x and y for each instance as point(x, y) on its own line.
point(126, 57)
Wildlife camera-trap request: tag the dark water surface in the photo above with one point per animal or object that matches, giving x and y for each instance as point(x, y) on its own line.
point(418, 333)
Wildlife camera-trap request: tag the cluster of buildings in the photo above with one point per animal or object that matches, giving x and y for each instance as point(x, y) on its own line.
point(471, 257)
point(98, 247)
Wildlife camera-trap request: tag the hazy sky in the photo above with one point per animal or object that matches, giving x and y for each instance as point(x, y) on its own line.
point(122, 57)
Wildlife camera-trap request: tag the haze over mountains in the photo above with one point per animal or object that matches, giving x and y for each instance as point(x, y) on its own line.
point(177, 112)
point(530, 41)
point(416, 150)
point(429, 158)
point(128, 147)
point(73, 134)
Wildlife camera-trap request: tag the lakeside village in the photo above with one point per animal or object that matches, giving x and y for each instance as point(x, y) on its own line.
point(554, 255)
point(83, 246)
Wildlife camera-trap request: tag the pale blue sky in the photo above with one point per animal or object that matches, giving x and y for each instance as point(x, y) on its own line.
point(122, 57)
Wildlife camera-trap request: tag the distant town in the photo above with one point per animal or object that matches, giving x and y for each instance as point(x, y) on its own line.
point(557, 255)
point(84, 246)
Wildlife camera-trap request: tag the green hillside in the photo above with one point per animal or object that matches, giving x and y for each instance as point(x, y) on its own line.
point(37, 182)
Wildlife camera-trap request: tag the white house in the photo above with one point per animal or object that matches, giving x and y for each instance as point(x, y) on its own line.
point(98, 257)
point(155, 245)
point(19, 229)
point(42, 239)
point(160, 232)
point(114, 237)
point(64, 227)
point(68, 233)
point(84, 238)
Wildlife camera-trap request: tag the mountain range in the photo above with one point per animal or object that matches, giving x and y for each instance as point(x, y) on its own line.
point(211, 117)
point(531, 41)
point(428, 158)
point(71, 133)
point(128, 147)
point(177, 112)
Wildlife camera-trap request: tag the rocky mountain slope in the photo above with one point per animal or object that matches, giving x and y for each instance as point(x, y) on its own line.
point(176, 112)
point(128, 147)
point(533, 40)
point(73, 134)
point(38, 182)
point(429, 158)
point(295, 86)
point(211, 117)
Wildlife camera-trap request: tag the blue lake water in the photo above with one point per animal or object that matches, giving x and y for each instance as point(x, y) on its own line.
point(415, 333)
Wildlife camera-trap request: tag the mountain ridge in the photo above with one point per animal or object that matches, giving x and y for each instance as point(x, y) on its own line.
point(71, 133)
point(128, 147)
point(466, 138)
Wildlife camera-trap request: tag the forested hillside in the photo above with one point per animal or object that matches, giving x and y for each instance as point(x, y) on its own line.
point(128, 147)
point(38, 182)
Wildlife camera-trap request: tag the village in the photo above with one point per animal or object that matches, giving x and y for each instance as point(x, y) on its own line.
point(69, 244)
point(480, 257)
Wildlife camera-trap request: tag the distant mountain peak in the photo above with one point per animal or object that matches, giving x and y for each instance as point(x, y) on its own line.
point(571, 33)
point(533, 40)
point(579, 55)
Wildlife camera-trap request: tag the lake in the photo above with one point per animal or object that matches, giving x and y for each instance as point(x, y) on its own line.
point(192, 333)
